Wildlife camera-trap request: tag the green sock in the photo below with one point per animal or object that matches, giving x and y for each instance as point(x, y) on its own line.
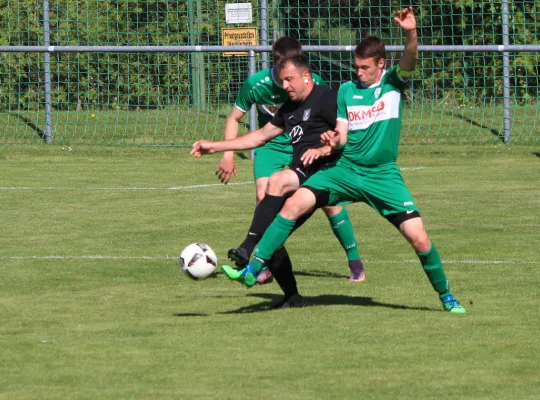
point(342, 228)
point(431, 262)
point(274, 237)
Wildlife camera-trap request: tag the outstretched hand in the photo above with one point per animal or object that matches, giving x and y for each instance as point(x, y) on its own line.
point(405, 19)
point(201, 148)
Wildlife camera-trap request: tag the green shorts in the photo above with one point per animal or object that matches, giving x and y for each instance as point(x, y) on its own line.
point(270, 158)
point(384, 190)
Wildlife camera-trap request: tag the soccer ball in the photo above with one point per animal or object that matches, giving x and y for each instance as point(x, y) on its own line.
point(198, 261)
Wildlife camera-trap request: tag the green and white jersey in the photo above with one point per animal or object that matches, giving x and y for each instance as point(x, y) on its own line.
point(374, 117)
point(262, 89)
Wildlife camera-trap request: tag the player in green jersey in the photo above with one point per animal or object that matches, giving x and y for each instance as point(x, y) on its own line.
point(368, 128)
point(265, 90)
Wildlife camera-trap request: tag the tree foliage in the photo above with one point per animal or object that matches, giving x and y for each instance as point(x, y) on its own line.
point(155, 80)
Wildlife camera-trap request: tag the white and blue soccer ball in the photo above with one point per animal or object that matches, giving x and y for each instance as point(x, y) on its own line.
point(198, 261)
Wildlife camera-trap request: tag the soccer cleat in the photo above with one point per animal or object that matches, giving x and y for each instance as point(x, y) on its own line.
point(245, 276)
point(294, 301)
point(239, 255)
point(265, 276)
point(451, 304)
point(358, 274)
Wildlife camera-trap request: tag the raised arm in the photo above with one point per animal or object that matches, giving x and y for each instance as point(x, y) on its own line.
point(406, 20)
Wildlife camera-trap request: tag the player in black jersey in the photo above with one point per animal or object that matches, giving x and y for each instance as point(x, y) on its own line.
point(310, 111)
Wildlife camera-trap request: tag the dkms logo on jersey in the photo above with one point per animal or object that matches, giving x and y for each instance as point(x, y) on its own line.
point(366, 112)
point(362, 117)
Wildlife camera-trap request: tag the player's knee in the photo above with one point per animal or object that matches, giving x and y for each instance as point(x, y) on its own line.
point(419, 240)
point(260, 195)
point(330, 211)
point(261, 186)
point(421, 245)
point(298, 205)
point(290, 210)
point(412, 227)
point(276, 185)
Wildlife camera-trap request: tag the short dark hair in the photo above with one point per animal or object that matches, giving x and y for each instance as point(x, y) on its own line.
point(285, 47)
point(371, 46)
point(299, 61)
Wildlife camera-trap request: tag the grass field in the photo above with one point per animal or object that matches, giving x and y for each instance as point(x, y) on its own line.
point(93, 305)
point(423, 122)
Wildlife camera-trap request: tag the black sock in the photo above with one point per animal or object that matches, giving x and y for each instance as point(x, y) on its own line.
point(264, 214)
point(281, 267)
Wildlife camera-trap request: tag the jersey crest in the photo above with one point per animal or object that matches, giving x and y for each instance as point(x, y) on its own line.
point(306, 114)
point(268, 109)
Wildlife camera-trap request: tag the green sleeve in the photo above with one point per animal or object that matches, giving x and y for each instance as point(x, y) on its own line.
point(393, 77)
point(246, 98)
point(341, 105)
point(318, 80)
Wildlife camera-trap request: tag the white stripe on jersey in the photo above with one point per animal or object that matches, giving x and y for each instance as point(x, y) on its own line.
point(269, 109)
point(362, 117)
point(241, 109)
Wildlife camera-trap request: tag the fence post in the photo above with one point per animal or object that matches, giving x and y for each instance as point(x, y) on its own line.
point(253, 111)
point(506, 73)
point(264, 31)
point(196, 59)
point(47, 73)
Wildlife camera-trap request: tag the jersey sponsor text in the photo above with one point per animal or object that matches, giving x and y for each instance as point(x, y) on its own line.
point(362, 117)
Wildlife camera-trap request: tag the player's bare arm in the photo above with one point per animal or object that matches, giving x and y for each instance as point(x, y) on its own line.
point(227, 166)
point(330, 138)
point(406, 20)
point(336, 139)
point(247, 142)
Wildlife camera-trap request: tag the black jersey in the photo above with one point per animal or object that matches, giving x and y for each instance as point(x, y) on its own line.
point(306, 121)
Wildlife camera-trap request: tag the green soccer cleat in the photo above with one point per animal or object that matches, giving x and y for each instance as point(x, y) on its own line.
point(246, 276)
point(451, 305)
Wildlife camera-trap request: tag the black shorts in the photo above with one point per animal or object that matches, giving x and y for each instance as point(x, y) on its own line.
point(304, 173)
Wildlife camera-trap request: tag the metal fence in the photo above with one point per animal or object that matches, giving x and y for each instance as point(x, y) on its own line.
point(157, 72)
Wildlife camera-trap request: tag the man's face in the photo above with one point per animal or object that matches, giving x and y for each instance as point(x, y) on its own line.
point(368, 70)
point(293, 81)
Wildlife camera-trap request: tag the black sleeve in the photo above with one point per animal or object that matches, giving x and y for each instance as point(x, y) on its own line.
point(278, 119)
point(330, 107)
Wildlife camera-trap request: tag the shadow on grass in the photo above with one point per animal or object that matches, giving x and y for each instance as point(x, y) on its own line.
point(321, 274)
point(321, 300)
point(188, 314)
point(29, 123)
point(494, 131)
point(537, 154)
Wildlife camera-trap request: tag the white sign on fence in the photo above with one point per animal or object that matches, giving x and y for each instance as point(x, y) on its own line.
point(238, 13)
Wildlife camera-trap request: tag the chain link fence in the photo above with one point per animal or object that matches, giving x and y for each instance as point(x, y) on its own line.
point(160, 72)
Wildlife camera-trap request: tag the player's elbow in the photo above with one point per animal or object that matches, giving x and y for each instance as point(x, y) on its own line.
point(257, 142)
point(342, 141)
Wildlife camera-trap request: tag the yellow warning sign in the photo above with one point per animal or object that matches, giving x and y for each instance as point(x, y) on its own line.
point(238, 37)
